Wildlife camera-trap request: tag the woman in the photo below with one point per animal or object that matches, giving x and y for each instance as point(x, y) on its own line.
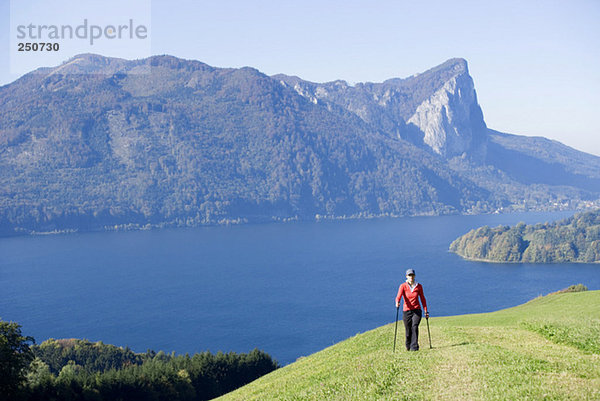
point(411, 315)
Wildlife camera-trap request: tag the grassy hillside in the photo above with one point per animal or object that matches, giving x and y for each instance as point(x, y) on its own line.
point(548, 348)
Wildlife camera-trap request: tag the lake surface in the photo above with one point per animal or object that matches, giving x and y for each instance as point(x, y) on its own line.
point(289, 289)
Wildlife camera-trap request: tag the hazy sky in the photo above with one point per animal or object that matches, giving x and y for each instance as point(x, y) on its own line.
point(536, 64)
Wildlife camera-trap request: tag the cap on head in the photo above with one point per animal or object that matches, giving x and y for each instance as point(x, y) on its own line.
point(410, 272)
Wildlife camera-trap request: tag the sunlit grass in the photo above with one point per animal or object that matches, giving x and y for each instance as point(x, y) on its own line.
point(546, 349)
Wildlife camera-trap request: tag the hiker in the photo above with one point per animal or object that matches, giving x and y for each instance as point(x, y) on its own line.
point(411, 315)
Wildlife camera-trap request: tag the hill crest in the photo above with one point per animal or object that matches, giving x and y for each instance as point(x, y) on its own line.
point(474, 357)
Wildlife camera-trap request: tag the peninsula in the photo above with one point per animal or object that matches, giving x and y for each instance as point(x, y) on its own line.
point(575, 239)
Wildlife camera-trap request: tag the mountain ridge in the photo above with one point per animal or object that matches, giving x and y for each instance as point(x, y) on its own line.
point(407, 116)
point(167, 141)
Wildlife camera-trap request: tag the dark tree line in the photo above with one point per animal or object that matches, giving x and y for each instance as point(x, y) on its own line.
point(81, 370)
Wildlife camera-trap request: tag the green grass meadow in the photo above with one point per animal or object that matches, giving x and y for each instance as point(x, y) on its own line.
point(546, 349)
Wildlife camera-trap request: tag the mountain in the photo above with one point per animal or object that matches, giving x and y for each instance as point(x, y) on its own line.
point(438, 108)
point(104, 143)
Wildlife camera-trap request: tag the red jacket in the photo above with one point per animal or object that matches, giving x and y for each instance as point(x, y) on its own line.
point(411, 301)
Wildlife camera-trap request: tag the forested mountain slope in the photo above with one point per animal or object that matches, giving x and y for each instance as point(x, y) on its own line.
point(100, 143)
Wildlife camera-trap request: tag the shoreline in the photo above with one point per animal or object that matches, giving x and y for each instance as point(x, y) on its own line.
point(522, 263)
point(22, 232)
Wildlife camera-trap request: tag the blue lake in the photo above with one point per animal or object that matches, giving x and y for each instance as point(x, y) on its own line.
point(289, 289)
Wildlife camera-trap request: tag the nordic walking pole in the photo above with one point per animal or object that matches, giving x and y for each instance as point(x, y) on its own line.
point(428, 332)
point(396, 330)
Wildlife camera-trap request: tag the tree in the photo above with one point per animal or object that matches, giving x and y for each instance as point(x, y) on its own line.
point(15, 356)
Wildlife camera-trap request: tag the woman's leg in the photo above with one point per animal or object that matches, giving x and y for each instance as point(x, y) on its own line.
point(407, 317)
point(416, 319)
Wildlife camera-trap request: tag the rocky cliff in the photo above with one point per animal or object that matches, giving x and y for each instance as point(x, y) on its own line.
point(451, 120)
point(100, 143)
point(437, 108)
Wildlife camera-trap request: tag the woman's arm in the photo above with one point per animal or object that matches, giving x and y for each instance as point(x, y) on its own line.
point(400, 294)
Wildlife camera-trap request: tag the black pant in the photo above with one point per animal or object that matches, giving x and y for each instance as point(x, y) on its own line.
point(412, 318)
